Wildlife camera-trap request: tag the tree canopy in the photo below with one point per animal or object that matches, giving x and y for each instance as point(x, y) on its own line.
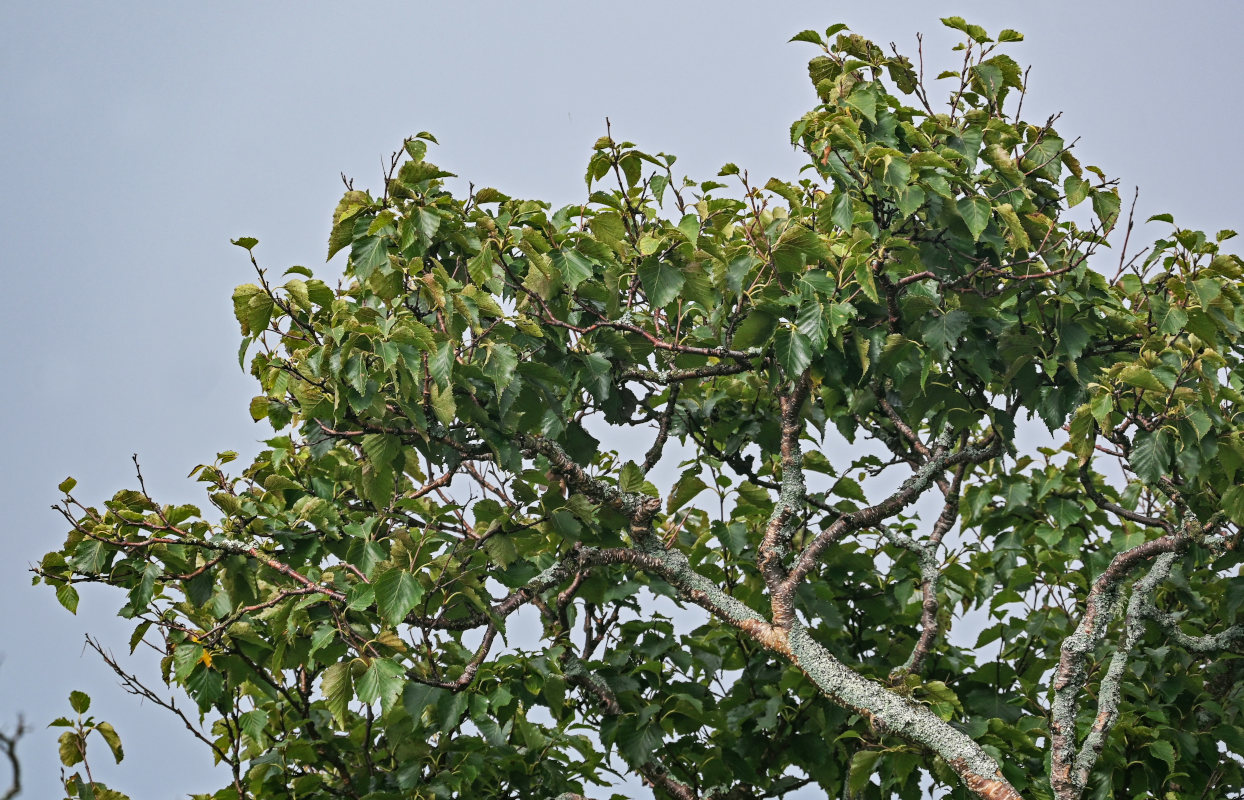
point(691, 480)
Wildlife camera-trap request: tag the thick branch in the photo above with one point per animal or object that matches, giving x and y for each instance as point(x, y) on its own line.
point(1072, 673)
point(888, 712)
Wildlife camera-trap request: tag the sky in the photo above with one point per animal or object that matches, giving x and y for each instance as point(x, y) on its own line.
point(138, 138)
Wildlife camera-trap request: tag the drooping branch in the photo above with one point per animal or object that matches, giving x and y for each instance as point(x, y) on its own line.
point(134, 686)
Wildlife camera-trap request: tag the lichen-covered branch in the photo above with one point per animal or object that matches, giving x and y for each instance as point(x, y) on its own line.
point(941, 459)
point(1067, 776)
point(930, 574)
point(886, 710)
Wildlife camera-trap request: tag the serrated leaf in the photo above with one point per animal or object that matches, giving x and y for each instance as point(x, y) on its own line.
point(500, 365)
point(755, 330)
point(942, 333)
point(245, 242)
point(71, 748)
point(863, 764)
point(443, 404)
point(66, 486)
point(381, 448)
point(79, 701)
point(662, 281)
point(1233, 504)
point(337, 686)
point(812, 37)
point(67, 596)
point(397, 593)
point(1141, 378)
point(382, 681)
point(864, 275)
point(254, 723)
point(573, 266)
point(975, 212)
point(688, 486)
point(794, 351)
point(1151, 454)
point(1106, 206)
point(369, 254)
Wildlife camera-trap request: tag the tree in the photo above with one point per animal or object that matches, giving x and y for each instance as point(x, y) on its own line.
point(839, 365)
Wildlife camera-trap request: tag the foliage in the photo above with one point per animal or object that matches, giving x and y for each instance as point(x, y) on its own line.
point(73, 742)
point(838, 365)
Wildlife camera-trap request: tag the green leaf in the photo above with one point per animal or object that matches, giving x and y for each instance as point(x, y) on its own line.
point(688, 486)
point(500, 365)
point(1163, 751)
point(381, 448)
point(755, 330)
point(843, 212)
point(1152, 452)
point(574, 267)
point(443, 405)
point(254, 724)
point(382, 681)
point(812, 37)
point(1076, 190)
point(1233, 503)
point(337, 686)
point(245, 242)
point(67, 596)
point(79, 701)
point(811, 322)
point(975, 212)
point(1141, 378)
point(110, 735)
point(864, 100)
point(1106, 206)
point(369, 254)
point(863, 764)
point(942, 333)
point(662, 281)
point(794, 351)
point(66, 486)
point(72, 748)
point(397, 593)
point(1169, 318)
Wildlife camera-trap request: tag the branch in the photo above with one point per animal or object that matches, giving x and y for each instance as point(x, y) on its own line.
point(8, 744)
point(134, 686)
point(930, 576)
point(887, 711)
point(652, 769)
point(784, 520)
point(472, 666)
point(1112, 683)
point(639, 508)
point(941, 459)
point(1072, 673)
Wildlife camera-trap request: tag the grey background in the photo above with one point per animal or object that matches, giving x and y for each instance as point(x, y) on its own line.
point(136, 139)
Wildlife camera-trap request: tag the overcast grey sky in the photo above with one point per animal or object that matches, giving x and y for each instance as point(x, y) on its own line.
point(138, 138)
